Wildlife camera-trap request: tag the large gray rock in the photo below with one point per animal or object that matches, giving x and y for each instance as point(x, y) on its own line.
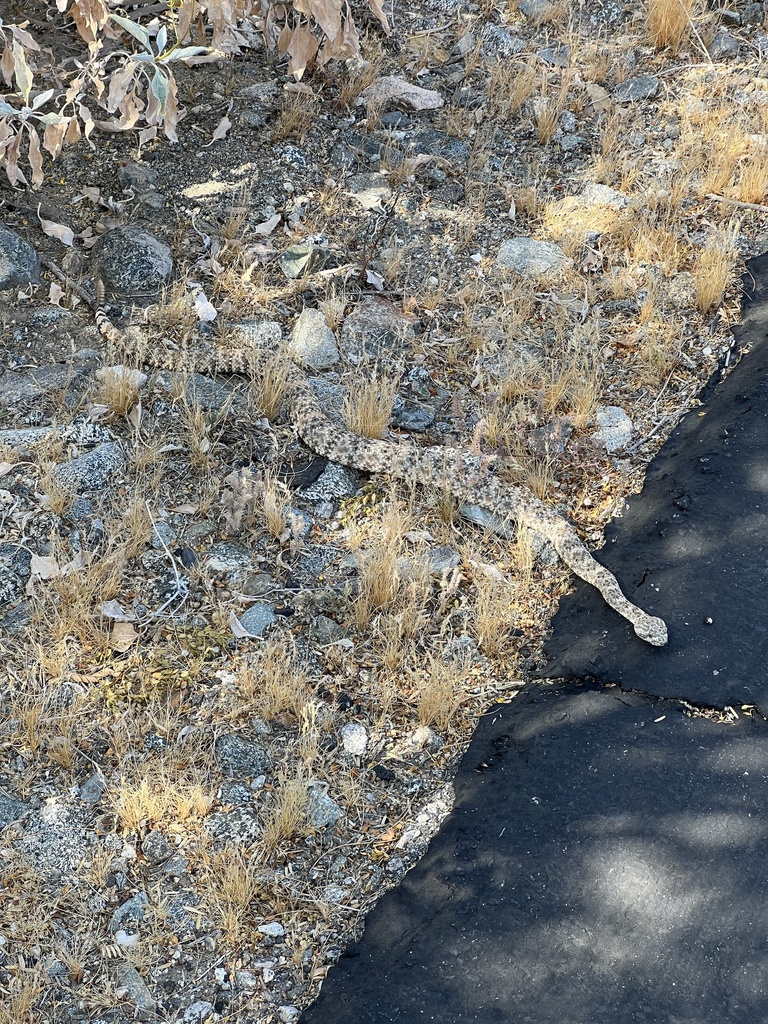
point(19, 263)
point(132, 261)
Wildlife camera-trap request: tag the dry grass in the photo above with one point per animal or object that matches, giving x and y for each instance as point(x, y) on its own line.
point(157, 793)
point(286, 818)
point(441, 693)
point(273, 683)
point(713, 271)
point(268, 384)
point(229, 886)
point(669, 22)
point(295, 117)
point(368, 407)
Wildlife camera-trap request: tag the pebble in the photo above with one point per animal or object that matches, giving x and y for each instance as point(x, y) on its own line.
point(354, 738)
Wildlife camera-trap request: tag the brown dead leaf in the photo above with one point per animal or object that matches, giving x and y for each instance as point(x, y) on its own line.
point(123, 636)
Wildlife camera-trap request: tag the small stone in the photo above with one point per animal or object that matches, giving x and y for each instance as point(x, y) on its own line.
point(163, 535)
point(312, 343)
point(321, 809)
point(273, 929)
point(92, 789)
point(132, 911)
point(413, 417)
point(614, 427)
point(443, 559)
point(126, 939)
point(427, 738)
point(11, 810)
point(241, 757)
point(604, 195)
point(288, 1014)
point(198, 1012)
point(130, 985)
point(497, 42)
point(393, 91)
point(132, 261)
point(557, 56)
point(632, 90)
point(326, 630)
point(19, 263)
point(723, 45)
point(247, 981)
point(258, 617)
point(354, 738)
point(530, 258)
point(156, 847)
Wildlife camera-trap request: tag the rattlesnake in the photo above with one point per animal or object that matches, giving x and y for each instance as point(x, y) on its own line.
point(456, 470)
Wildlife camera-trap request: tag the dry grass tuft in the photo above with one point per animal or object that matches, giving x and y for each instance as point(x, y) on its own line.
point(713, 271)
point(274, 683)
point(441, 693)
point(669, 22)
point(286, 818)
point(229, 887)
point(268, 384)
point(368, 407)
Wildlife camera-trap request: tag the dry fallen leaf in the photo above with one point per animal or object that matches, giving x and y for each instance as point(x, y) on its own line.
point(123, 637)
point(63, 232)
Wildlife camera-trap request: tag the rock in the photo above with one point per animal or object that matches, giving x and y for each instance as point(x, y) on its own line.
point(255, 333)
point(557, 56)
point(372, 191)
point(273, 929)
point(156, 847)
point(442, 559)
point(130, 985)
point(334, 482)
point(15, 569)
point(354, 738)
point(632, 90)
point(163, 535)
point(132, 261)
point(435, 143)
point(376, 328)
point(312, 342)
point(497, 42)
point(614, 427)
point(19, 263)
point(122, 374)
point(226, 557)
point(528, 257)
point(723, 45)
point(136, 176)
point(240, 757)
point(92, 789)
point(321, 809)
point(92, 471)
point(327, 631)
point(130, 912)
point(412, 417)
point(393, 91)
point(199, 1011)
point(288, 1014)
point(303, 258)
point(536, 10)
point(604, 195)
point(427, 738)
point(258, 617)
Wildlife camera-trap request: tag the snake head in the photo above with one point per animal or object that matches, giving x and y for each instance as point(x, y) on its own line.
point(652, 630)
